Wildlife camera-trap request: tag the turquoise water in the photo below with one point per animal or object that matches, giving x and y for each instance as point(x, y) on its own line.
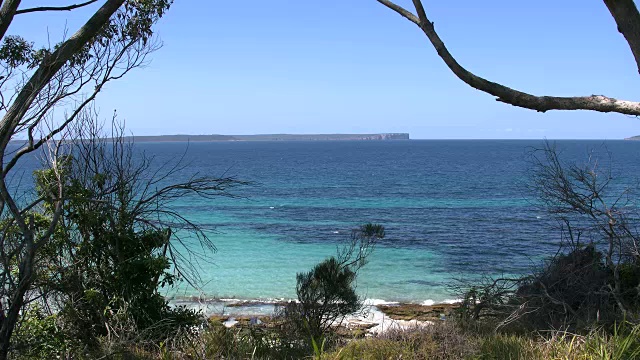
point(452, 209)
point(254, 266)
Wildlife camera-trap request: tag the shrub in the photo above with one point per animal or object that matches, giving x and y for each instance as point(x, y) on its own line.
point(113, 245)
point(584, 285)
point(326, 294)
point(40, 336)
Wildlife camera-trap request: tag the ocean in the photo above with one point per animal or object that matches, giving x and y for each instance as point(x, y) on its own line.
point(452, 209)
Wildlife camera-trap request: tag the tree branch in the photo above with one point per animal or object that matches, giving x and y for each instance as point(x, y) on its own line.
point(508, 95)
point(50, 66)
point(55, 8)
point(627, 17)
point(7, 12)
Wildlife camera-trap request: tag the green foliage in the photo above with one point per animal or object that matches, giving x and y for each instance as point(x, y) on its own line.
point(102, 262)
point(327, 292)
point(624, 343)
point(132, 23)
point(219, 342)
point(16, 51)
point(40, 336)
point(507, 347)
point(140, 15)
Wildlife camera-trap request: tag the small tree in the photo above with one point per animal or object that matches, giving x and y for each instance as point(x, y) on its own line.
point(114, 246)
point(327, 293)
point(43, 89)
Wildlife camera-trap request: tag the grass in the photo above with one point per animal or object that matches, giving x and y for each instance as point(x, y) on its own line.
point(443, 340)
point(448, 342)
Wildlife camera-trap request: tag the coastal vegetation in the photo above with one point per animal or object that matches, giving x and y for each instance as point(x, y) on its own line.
point(327, 293)
point(85, 251)
point(573, 307)
point(37, 82)
point(118, 243)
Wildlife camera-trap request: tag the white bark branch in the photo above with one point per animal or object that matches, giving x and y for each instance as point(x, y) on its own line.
point(503, 93)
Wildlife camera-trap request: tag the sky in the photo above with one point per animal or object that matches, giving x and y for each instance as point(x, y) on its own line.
point(354, 66)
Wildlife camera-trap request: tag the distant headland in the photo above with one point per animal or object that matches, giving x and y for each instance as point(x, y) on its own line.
point(271, 137)
point(637, 137)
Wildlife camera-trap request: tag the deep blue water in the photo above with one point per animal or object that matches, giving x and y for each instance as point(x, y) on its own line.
point(451, 209)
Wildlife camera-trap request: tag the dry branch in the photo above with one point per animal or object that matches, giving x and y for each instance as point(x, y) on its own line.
point(506, 94)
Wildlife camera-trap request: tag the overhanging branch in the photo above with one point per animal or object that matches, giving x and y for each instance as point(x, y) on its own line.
point(55, 8)
point(506, 94)
point(50, 66)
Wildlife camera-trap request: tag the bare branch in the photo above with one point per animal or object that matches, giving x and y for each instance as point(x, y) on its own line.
point(400, 10)
point(55, 8)
point(508, 95)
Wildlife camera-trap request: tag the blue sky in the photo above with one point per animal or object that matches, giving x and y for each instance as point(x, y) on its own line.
point(354, 66)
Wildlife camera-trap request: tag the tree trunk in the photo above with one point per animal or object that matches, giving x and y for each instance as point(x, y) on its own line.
point(17, 300)
point(627, 17)
point(7, 12)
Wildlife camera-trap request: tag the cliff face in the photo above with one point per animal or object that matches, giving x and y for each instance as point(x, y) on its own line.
point(395, 136)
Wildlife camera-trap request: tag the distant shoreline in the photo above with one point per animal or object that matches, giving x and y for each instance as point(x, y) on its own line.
point(271, 137)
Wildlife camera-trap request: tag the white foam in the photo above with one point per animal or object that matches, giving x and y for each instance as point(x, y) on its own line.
point(452, 301)
point(376, 302)
point(381, 323)
point(430, 302)
point(230, 323)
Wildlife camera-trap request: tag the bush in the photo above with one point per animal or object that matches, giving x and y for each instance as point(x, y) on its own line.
point(572, 291)
point(41, 336)
point(216, 341)
point(111, 237)
point(584, 285)
point(326, 294)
